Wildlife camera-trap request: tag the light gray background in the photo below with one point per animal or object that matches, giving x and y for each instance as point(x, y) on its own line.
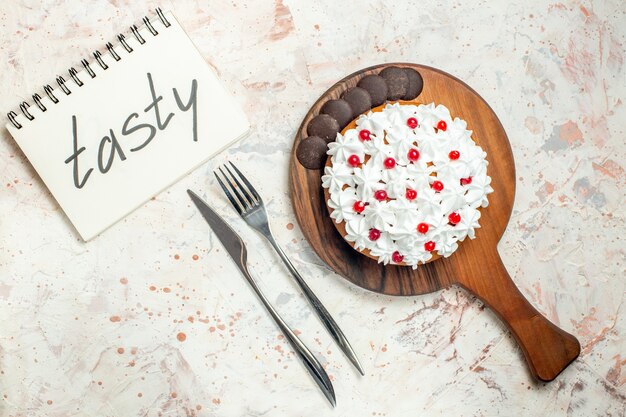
point(92, 329)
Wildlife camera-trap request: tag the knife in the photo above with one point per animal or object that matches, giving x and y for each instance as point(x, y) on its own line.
point(237, 251)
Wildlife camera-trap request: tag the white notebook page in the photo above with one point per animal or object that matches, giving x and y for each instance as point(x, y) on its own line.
point(131, 131)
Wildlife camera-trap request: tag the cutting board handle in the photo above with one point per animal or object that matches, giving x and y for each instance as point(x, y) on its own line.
point(547, 348)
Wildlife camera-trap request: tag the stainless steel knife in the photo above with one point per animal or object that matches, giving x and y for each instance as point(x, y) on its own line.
point(237, 250)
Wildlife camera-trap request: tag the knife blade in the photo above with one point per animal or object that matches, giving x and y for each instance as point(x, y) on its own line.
point(236, 248)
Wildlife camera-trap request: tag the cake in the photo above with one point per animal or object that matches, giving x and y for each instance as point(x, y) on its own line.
point(404, 184)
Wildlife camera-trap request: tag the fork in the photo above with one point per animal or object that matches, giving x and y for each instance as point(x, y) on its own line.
point(248, 203)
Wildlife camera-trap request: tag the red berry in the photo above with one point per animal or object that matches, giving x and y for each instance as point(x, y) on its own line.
point(454, 218)
point(429, 246)
point(411, 122)
point(437, 186)
point(411, 194)
point(442, 125)
point(358, 206)
point(396, 257)
point(454, 155)
point(390, 163)
point(422, 228)
point(374, 234)
point(364, 135)
point(354, 161)
point(413, 155)
point(466, 181)
point(380, 195)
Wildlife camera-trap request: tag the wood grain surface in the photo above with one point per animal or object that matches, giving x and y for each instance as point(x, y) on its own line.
point(476, 265)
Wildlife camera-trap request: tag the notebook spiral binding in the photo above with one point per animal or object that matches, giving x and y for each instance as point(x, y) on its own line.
point(73, 73)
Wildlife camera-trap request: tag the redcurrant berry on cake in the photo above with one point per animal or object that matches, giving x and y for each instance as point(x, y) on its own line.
point(390, 163)
point(374, 234)
point(364, 135)
point(442, 125)
point(437, 186)
point(429, 246)
point(358, 206)
point(380, 195)
point(354, 161)
point(466, 181)
point(454, 218)
point(413, 155)
point(411, 122)
point(422, 228)
point(411, 194)
point(454, 155)
point(396, 257)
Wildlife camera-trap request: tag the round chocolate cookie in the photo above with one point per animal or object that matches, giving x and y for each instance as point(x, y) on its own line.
point(416, 83)
point(376, 86)
point(397, 82)
point(339, 110)
point(359, 99)
point(324, 126)
point(311, 152)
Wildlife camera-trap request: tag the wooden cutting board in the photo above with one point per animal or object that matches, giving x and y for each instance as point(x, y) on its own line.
point(476, 265)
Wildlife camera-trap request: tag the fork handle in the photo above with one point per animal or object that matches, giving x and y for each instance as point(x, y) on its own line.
point(309, 360)
point(327, 320)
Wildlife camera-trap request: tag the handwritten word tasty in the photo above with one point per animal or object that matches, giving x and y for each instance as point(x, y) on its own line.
point(110, 148)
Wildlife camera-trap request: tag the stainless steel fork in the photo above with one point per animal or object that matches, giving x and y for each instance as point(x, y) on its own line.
point(250, 207)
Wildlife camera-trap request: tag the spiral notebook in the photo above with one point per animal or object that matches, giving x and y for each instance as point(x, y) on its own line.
point(132, 121)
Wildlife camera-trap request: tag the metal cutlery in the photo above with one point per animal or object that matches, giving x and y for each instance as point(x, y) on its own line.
point(248, 203)
point(237, 250)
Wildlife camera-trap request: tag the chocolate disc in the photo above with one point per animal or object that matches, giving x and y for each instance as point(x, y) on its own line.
point(359, 99)
point(339, 110)
point(416, 83)
point(397, 82)
point(376, 86)
point(311, 152)
point(324, 126)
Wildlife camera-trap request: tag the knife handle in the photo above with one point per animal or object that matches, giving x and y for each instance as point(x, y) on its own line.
point(308, 359)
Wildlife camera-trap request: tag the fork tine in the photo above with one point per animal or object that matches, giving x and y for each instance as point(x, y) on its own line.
point(228, 194)
point(245, 206)
point(245, 192)
point(245, 180)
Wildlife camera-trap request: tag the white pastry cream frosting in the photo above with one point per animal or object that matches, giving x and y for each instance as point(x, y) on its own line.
point(407, 181)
